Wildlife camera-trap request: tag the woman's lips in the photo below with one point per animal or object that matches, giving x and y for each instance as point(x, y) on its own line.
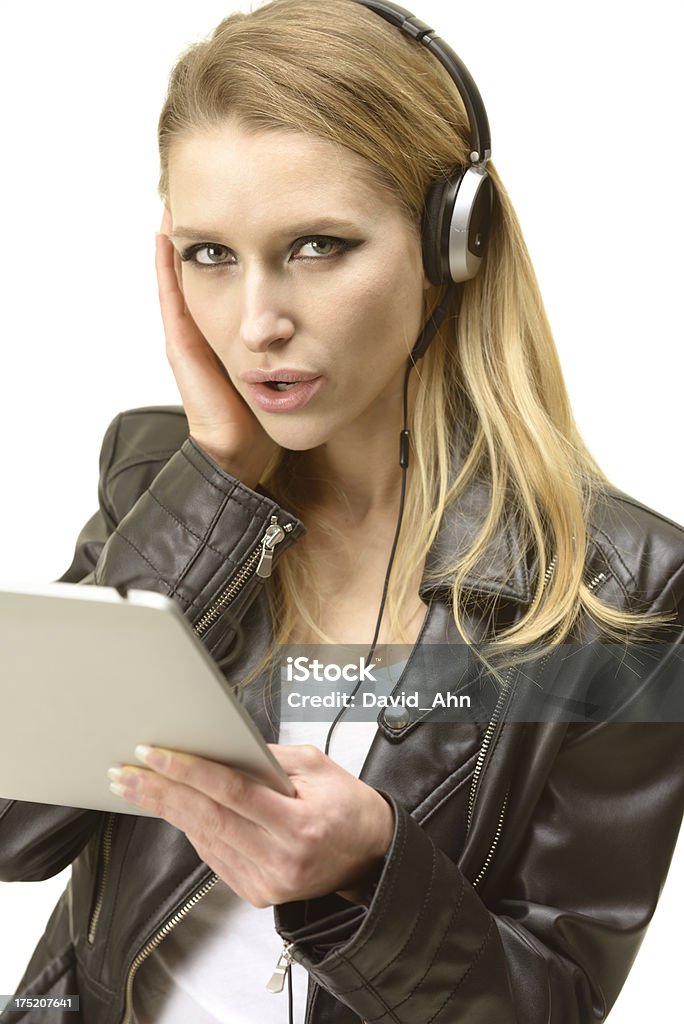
point(295, 397)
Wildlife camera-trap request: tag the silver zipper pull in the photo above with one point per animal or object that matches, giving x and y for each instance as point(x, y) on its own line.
point(277, 982)
point(274, 534)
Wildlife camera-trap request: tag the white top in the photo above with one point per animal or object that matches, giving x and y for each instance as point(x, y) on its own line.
point(214, 966)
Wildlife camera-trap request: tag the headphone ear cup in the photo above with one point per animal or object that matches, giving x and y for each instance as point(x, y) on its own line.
point(436, 233)
point(456, 223)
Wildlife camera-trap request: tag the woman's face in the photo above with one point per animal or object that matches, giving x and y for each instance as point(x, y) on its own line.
point(296, 265)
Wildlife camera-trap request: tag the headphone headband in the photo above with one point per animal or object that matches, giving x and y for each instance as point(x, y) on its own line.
point(458, 205)
point(452, 63)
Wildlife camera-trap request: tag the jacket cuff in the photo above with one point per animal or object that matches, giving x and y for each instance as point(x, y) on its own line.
point(190, 535)
point(425, 932)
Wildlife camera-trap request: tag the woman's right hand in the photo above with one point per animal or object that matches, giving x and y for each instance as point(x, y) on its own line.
point(219, 419)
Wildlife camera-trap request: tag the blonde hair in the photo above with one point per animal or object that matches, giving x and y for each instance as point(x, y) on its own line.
point(492, 408)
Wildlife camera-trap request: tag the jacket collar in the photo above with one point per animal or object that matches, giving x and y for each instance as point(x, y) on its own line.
point(504, 572)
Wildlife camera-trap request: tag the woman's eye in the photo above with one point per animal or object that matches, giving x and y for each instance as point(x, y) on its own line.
point(319, 247)
point(208, 254)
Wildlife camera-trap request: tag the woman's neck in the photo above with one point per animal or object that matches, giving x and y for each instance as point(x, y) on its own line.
point(356, 475)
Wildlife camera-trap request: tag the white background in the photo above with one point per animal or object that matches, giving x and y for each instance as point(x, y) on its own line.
point(583, 100)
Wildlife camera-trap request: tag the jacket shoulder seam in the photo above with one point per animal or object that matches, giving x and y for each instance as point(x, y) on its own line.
point(667, 585)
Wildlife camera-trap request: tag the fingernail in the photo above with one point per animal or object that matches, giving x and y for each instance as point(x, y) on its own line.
point(128, 778)
point(152, 756)
point(116, 789)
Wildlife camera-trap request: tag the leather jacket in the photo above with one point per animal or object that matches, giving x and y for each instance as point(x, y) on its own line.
point(528, 856)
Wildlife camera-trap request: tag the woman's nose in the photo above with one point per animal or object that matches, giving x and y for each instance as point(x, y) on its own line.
point(265, 318)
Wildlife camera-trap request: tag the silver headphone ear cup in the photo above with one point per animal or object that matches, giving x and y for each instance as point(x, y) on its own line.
point(456, 225)
point(469, 224)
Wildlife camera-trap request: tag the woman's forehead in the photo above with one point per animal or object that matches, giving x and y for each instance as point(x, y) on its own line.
point(230, 169)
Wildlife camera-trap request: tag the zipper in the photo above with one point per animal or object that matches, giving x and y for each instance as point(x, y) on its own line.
point(599, 578)
point(260, 562)
point(157, 938)
point(489, 732)
point(261, 558)
point(285, 961)
point(477, 772)
point(105, 851)
point(495, 841)
point(487, 739)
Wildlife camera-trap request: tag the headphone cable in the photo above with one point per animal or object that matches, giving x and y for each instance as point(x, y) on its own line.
point(426, 336)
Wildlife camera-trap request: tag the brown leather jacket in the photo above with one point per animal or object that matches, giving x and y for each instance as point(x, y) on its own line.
point(528, 856)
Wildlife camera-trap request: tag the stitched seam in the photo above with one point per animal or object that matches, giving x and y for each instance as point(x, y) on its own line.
point(116, 890)
point(146, 459)
point(611, 544)
point(668, 583)
point(234, 485)
point(452, 917)
point(184, 526)
point(370, 988)
point(625, 592)
point(144, 557)
point(359, 946)
point(172, 590)
point(203, 542)
point(466, 973)
point(381, 915)
point(87, 978)
point(455, 783)
point(402, 951)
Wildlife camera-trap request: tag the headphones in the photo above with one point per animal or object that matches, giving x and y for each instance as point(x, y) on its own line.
point(457, 211)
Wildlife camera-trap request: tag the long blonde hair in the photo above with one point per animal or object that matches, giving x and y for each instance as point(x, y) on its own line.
point(492, 407)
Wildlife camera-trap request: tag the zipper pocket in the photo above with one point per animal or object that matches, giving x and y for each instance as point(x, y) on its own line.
point(102, 871)
point(487, 739)
point(260, 562)
point(593, 583)
point(157, 938)
point(484, 747)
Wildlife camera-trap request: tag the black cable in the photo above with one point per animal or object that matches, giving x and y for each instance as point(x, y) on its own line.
point(427, 334)
point(404, 465)
point(289, 994)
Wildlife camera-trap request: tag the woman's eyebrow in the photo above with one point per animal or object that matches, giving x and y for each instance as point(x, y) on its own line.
point(314, 226)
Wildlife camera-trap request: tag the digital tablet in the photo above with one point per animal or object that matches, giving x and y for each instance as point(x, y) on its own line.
point(87, 674)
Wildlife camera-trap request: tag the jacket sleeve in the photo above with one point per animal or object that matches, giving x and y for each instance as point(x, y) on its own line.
point(191, 531)
point(555, 940)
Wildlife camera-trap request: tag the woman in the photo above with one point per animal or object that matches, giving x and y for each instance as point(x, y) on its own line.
point(470, 875)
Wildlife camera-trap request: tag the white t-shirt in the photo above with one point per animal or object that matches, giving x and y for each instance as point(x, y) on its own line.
point(214, 966)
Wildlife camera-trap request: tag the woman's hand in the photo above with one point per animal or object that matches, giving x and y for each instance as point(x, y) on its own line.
point(331, 836)
point(220, 420)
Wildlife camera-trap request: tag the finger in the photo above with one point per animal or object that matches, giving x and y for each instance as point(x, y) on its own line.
point(164, 230)
point(242, 875)
point(300, 759)
point(166, 222)
point(226, 786)
point(171, 298)
point(219, 829)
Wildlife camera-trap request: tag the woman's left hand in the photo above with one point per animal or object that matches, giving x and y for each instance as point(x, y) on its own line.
point(331, 836)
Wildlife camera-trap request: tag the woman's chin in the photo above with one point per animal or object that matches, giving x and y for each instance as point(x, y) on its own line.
point(296, 437)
